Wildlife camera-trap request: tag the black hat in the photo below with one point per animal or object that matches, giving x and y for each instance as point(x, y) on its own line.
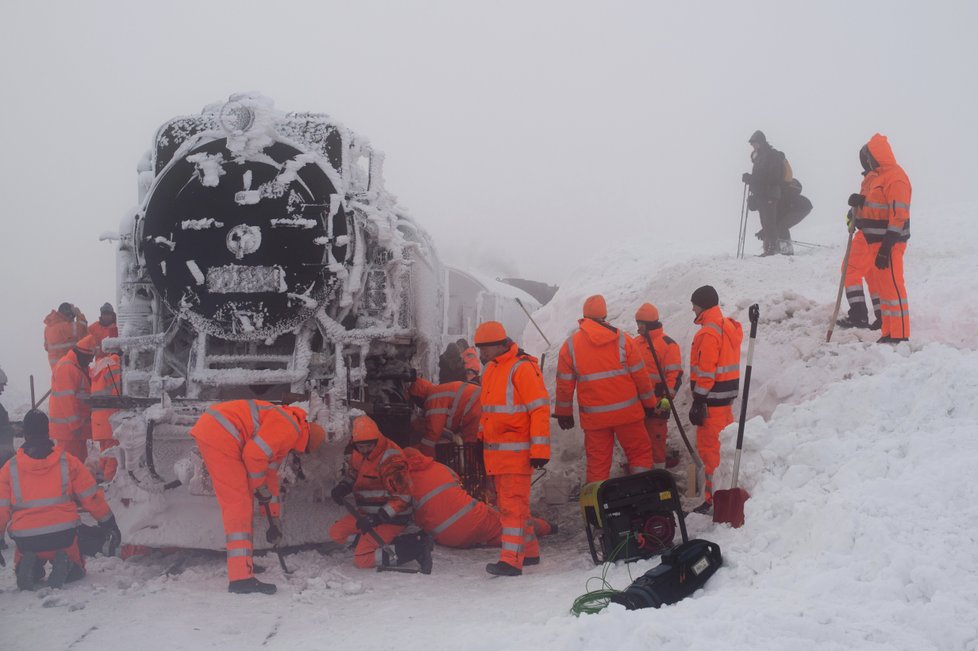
point(705, 297)
point(106, 309)
point(67, 309)
point(35, 425)
point(758, 136)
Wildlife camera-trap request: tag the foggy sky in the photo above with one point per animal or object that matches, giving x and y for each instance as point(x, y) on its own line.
point(525, 136)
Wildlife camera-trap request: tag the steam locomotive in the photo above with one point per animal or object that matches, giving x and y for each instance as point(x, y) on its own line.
point(265, 260)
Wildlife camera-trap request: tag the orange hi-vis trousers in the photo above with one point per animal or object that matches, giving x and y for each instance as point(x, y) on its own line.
point(893, 296)
point(708, 441)
point(517, 538)
point(658, 429)
point(862, 264)
point(599, 446)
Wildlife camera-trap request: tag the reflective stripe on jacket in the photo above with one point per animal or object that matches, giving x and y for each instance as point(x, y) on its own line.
point(714, 363)
point(381, 481)
point(41, 496)
point(451, 407)
point(106, 376)
point(441, 505)
point(606, 369)
point(260, 433)
point(515, 422)
point(69, 415)
point(887, 191)
point(60, 334)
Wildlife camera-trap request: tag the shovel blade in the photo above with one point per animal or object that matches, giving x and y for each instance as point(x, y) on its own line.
point(728, 506)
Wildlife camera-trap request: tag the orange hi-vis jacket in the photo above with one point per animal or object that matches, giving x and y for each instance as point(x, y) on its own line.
point(515, 424)
point(441, 505)
point(101, 332)
point(470, 360)
point(887, 191)
point(68, 411)
point(41, 496)
point(60, 334)
point(670, 357)
point(381, 481)
point(714, 364)
point(604, 366)
point(450, 408)
point(106, 376)
point(262, 434)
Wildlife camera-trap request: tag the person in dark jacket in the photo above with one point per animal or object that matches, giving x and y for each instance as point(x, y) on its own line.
point(792, 208)
point(451, 366)
point(765, 180)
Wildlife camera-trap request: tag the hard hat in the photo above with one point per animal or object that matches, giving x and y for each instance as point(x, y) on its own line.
point(86, 345)
point(365, 429)
point(490, 333)
point(647, 312)
point(595, 307)
point(317, 435)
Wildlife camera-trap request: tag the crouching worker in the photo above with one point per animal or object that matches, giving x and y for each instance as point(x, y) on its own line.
point(450, 408)
point(40, 491)
point(243, 442)
point(455, 518)
point(377, 476)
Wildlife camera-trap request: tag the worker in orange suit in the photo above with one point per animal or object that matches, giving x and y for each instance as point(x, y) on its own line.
point(243, 443)
point(670, 358)
point(450, 409)
point(106, 382)
point(714, 374)
point(614, 392)
point(106, 325)
point(516, 440)
point(882, 214)
point(62, 330)
point(377, 476)
point(71, 417)
point(470, 360)
point(41, 489)
point(452, 516)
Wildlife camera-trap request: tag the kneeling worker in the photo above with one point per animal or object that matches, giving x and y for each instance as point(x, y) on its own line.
point(243, 442)
point(40, 490)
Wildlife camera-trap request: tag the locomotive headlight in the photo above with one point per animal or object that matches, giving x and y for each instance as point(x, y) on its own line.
point(236, 118)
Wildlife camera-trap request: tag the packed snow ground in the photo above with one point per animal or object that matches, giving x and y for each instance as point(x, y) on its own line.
point(860, 532)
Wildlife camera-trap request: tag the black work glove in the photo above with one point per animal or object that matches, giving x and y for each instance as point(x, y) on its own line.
point(340, 491)
point(263, 495)
point(883, 257)
point(650, 412)
point(746, 177)
point(697, 413)
point(565, 422)
point(857, 200)
point(274, 532)
point(115, 536)
point(367, 522)
point(536, 464)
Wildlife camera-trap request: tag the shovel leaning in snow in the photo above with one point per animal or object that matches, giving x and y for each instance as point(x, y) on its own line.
point(842, 283)
point(271, 526)
point(380, 541)
point(728, 505)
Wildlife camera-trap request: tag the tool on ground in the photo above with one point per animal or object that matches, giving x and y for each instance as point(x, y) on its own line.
point(808, 244)
point(632, 517)
point(743, 226)
point(842, 282)
point(728, 505)
point(391, 554)
point(271, 527)
point(684, 569)
point(694, 487)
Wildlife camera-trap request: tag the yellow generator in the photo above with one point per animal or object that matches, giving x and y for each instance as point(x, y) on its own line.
point(633, 517)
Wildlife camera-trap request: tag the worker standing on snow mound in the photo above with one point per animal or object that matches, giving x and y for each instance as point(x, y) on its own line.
point(40, 491)
point(450, 408)
point(714, 373)
point(105, 326)
point(106, 376)
point(770, 171)
point(671, 359)
point(882, 214)
point(377, 476)
point(470, 360)
point(71, 417)
point(792, 208)
point(516, 439)
point(614, 392)
point(62, 330)
point(455, 518)
point(243, 443)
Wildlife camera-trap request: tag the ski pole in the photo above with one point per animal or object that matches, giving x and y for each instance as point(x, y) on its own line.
point(742, 235)
point(529, 316)
point(842, 283)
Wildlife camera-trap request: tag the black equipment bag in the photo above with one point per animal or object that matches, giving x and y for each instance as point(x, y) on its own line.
point(684, 569)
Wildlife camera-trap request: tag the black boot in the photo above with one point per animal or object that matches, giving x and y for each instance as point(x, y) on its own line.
point(249, 586)
point(413, 547)
point(770, 248)
point(59, 570)
point(706, 508)
point(503, 569)
point(857, 317)
point(27, 574)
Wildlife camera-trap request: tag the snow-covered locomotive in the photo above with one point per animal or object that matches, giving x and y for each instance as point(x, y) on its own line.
point(266, 260)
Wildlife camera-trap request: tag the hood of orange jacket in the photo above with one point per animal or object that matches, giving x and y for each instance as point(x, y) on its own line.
point(28, 465)
point(599, 334)
point(879, 147)
point(416, 460)
point(55, 317)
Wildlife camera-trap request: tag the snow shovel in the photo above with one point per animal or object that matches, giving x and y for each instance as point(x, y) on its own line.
point(842, 283)
point(271, 526)
point(692, 473)
point(728, 505)
point(380, 541)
